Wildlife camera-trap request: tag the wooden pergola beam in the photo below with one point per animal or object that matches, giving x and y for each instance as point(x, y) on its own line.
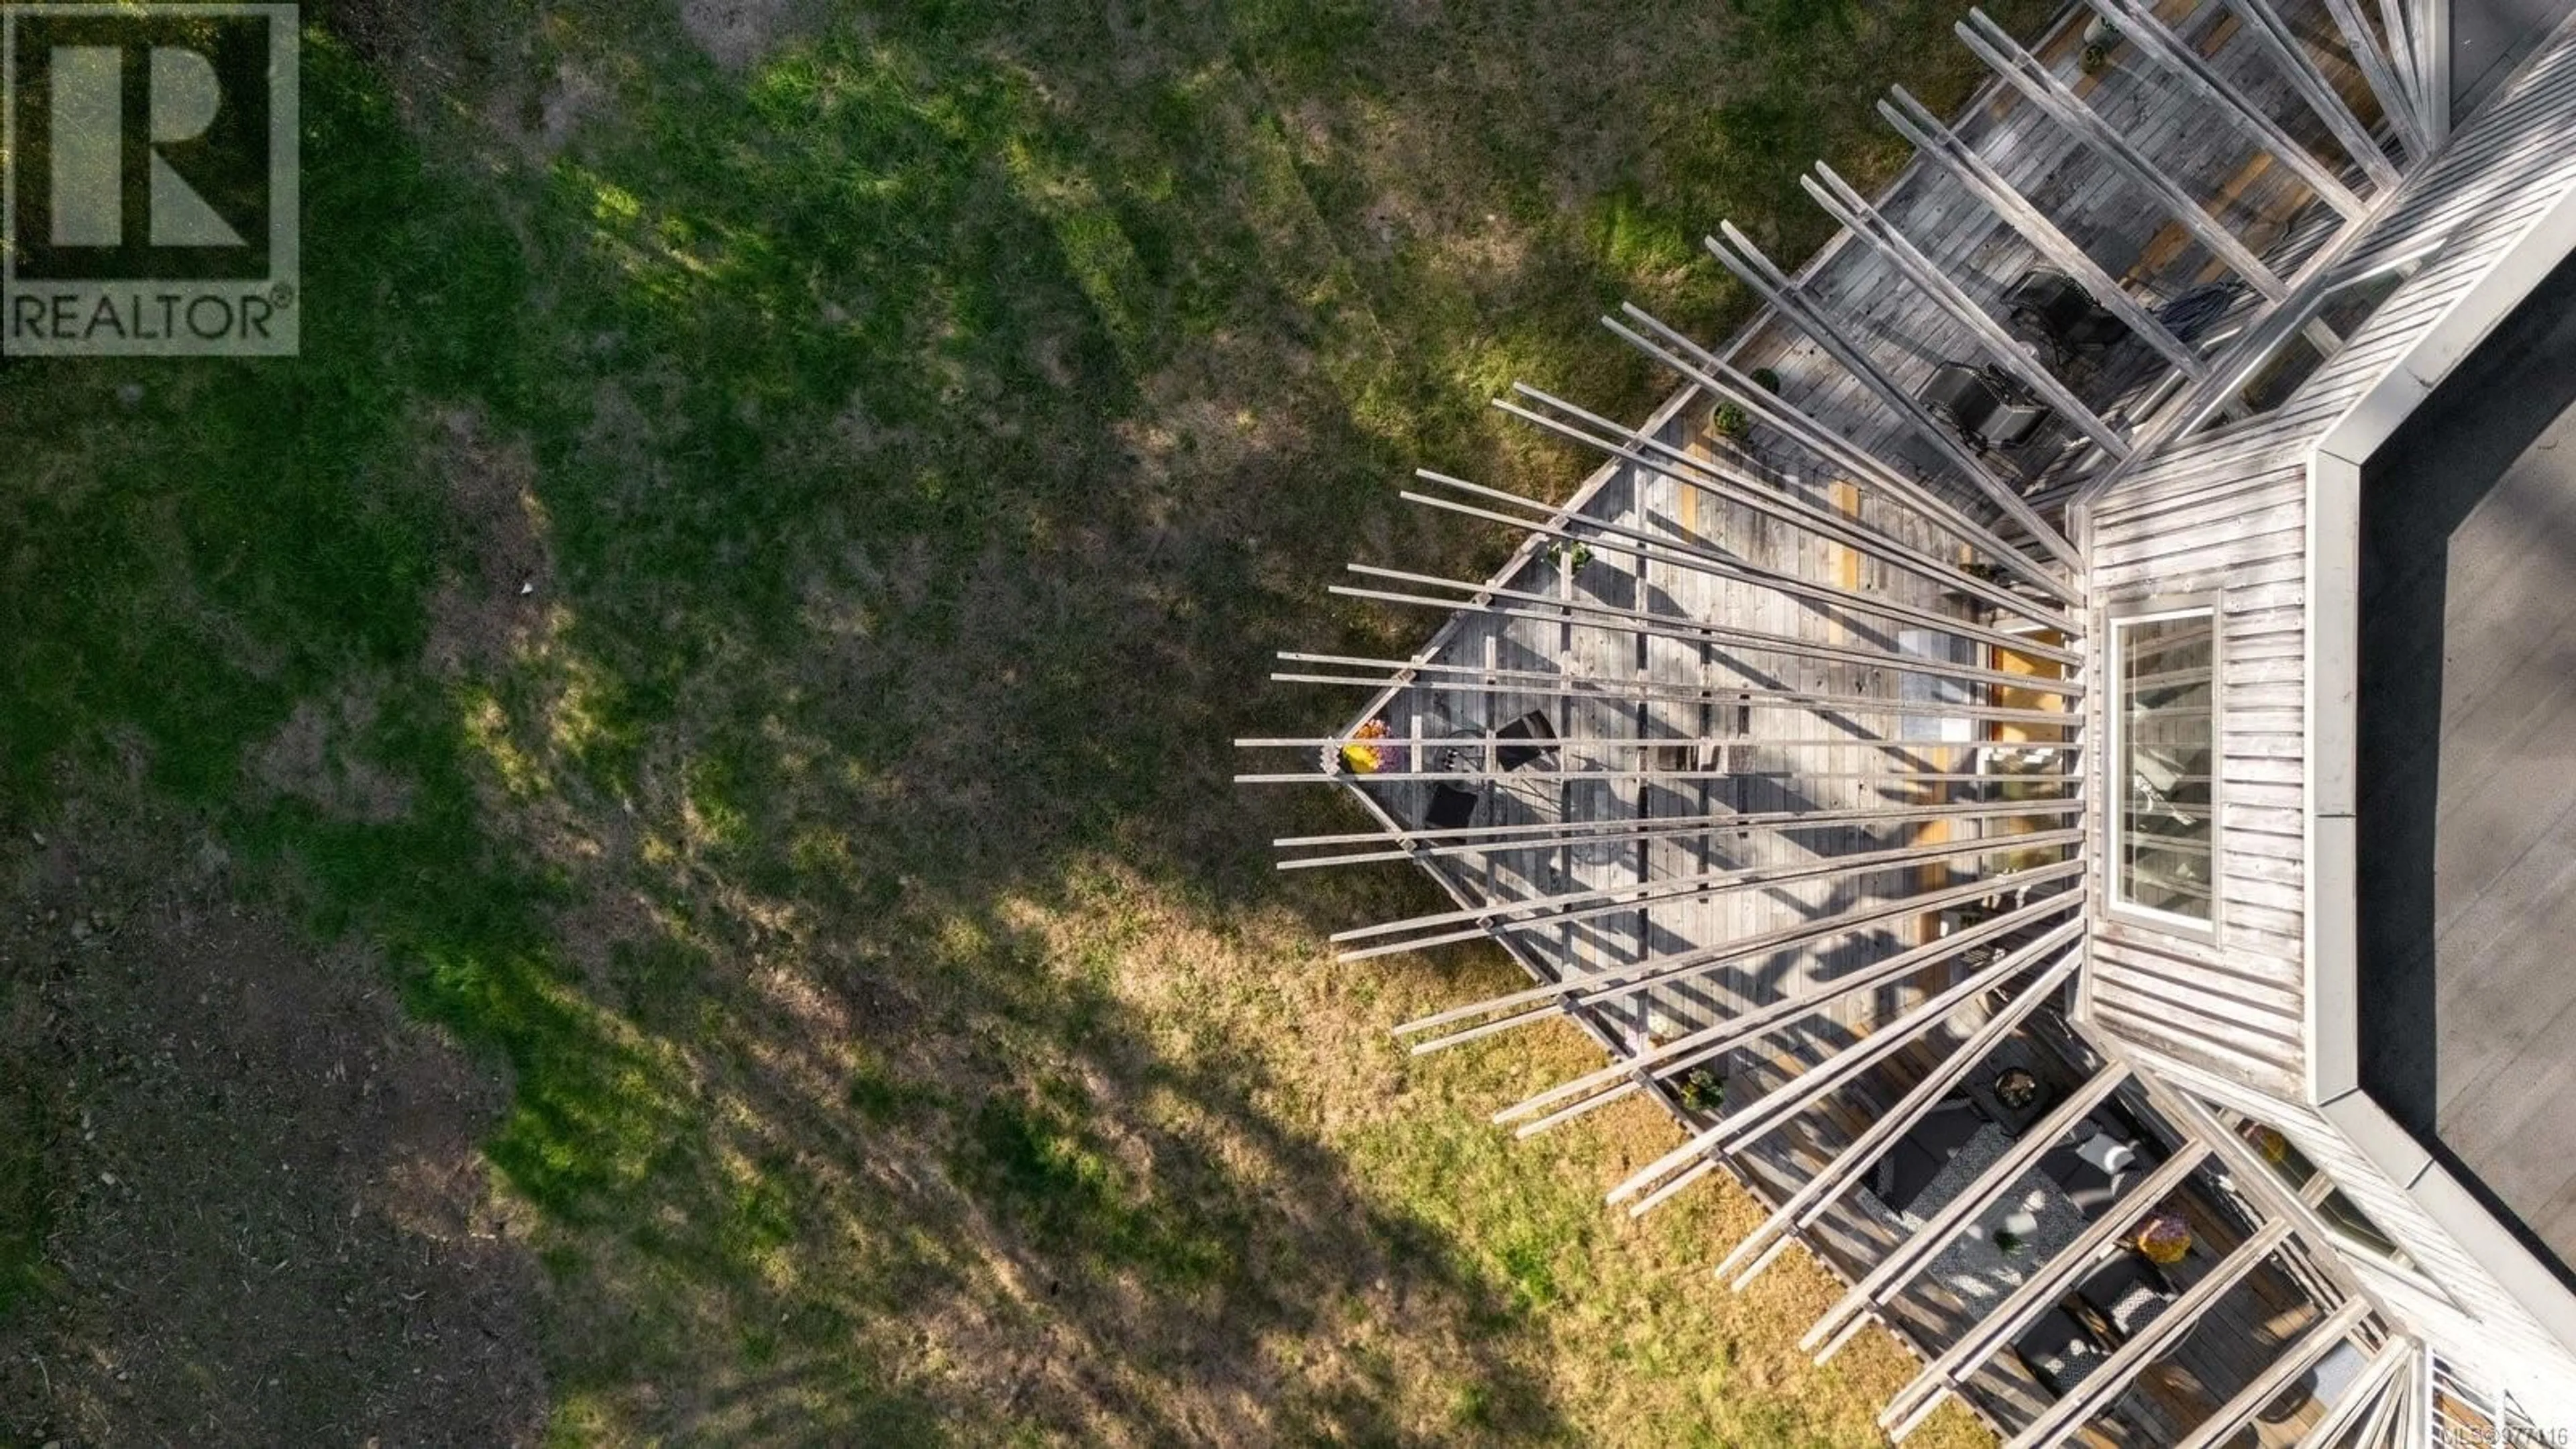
point(1827, 597)
point(1792, 301)
point(2376, 1379)
point(2105, 1384)
point(2181, 1103)
point(1681, 830)
point(1616, 982)
point(2300, 70)
point(1767, 1112)
point(1934, 141)
point(1547, 685)
point(2432, 31)
point(1633, 621)
point(1502, 837)
point(1845, 204)
point(2141, 23)
point(1680, 1054)
point(1809, 1204)
point(1714, 563)
point(2025, 72)
point(1704, 476)
point(2403, 55)
point(2312, 1346)
point(1909, 1257)
point(2003, 1323)
point(1699, 365)
point(2394, 98)
point(1575, 907)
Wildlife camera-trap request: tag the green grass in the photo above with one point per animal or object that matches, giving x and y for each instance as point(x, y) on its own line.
point(918, 438)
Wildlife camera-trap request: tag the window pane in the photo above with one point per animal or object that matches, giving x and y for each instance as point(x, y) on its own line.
point(2167, 760)
point(2330, 324)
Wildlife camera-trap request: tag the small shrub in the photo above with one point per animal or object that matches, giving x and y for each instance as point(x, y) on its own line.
point(1701, 1090)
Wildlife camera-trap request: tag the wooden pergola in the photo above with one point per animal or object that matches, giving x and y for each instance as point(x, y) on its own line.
point(1762, 753)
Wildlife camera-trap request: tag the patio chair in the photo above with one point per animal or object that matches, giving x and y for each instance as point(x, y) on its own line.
point(2058, 1351)
point(2126, 1293)
point(1918, 1157)
point(1984, 405)
point(1531, 726)
point(2096, 1171)
point(1453, 807)
point(2050, 309)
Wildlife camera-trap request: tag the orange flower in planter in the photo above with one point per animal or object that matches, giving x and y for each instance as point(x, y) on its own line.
point(1362, 758)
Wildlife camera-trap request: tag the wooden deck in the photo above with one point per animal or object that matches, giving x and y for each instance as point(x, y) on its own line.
point(2118, 225)
point(1683, 695)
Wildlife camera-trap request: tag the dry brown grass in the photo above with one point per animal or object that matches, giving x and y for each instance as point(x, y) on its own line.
point(911, 428)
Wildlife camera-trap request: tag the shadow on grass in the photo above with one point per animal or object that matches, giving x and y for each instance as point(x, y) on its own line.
point(811, 755)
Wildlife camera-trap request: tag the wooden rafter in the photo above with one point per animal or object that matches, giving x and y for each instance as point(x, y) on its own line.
point(2395, 100)
point(1573, 907)
point(1912, 1255)
point(2299, 68)
point(1503, 837)
point(1845, 204)
point(1670, 548)
point(1748, 1122)
point(1700, 366)
point(2025, 72)
point(2301, 1356)
point(1915, 1402)
point(1734, 485)
point(1793, 301)
point(1610, 1083)
point(1549, 685)
point(1808, 1204)
point(2141, 23)
point(1541, 1002)
point(2105, 1384)
point(1936, 143)
point(2378, 1378)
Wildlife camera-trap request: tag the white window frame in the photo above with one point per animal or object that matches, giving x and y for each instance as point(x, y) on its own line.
point(2228, 410)
point(2115, 791)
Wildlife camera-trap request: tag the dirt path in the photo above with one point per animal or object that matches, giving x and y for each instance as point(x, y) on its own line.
point(261, 1213)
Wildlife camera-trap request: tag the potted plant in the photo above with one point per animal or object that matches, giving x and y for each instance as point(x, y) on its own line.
point(2095, 57)
point(2164, 1239)
point(1732, 422)
point(1701, 1090)
point(1367, 752)
point(1766, 379)
point(1572, 555)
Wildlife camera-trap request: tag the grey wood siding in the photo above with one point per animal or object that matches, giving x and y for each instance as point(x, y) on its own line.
point(2223, 512)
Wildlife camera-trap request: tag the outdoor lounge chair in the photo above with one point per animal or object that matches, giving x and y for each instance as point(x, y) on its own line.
point(1984, 405)
point(2095, 1172)
point(2127, 1293)
point(1918, 1157)
point(2049, 309)
point(2058, 1351)
point(1531, 726)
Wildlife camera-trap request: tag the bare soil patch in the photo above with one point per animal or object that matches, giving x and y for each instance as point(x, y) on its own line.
point(266, 1219)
